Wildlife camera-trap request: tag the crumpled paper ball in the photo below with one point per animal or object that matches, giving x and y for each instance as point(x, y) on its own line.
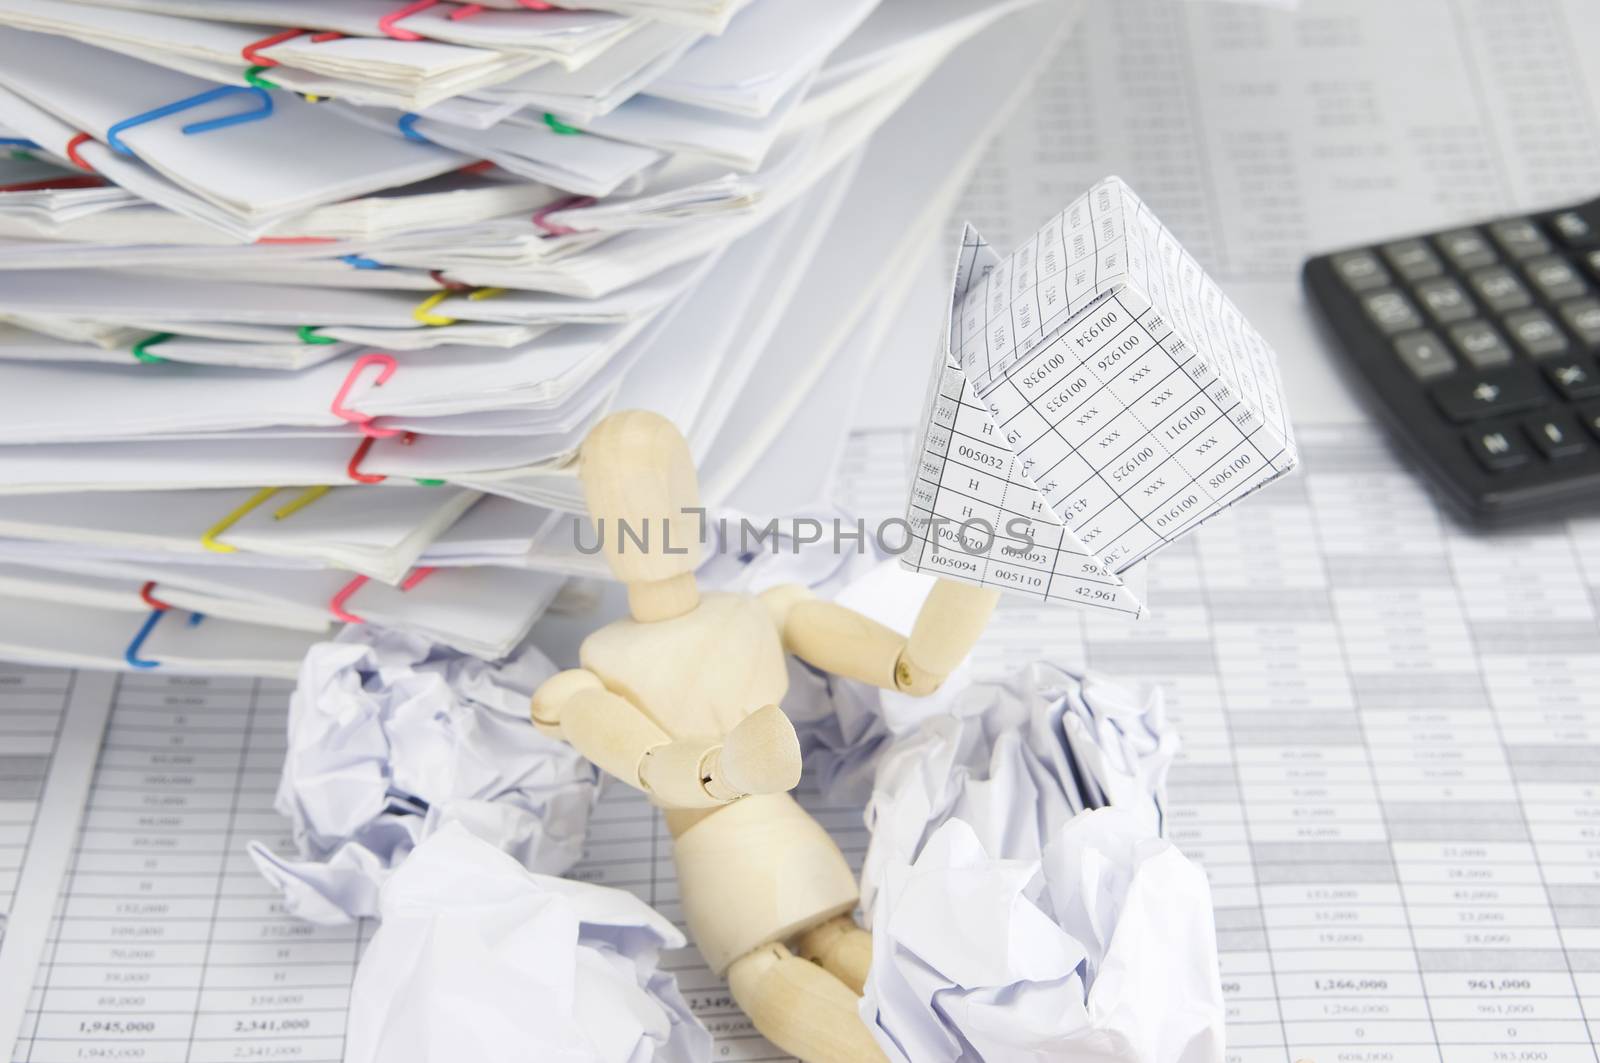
point(390, 738)
point(479, 959)
point(1022, 903)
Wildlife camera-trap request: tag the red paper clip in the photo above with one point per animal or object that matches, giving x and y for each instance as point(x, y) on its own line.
point(337, 602)
point(353, 468)
point(53, 184)
point(147, 595)
point(552, 229)
point(446, 283)
point(254, 57)
point(356, 417)
point(72, 150)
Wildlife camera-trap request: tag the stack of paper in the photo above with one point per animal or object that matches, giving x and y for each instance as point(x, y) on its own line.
point(305, 307)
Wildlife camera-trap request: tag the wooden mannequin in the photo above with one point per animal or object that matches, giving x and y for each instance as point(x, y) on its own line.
point(681, 701)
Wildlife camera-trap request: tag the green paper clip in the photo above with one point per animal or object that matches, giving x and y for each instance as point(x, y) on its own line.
point(308, 334)
point(431, 483)
point(141, 349)
point(561, 127)
point(253, 76)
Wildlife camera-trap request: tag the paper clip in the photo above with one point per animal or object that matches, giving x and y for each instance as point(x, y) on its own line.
point(113, 137)
point(424, 311)
point(355, 417)
point(360, 262)
point(468, 10)
point(252, 76)
point(337, 602)
point(131, 654)
point(18, 142)
point(239, 512)
point(208, 538)
point(147, 595)
point(438, 277)
point(407, 123)
point(308, 334)
point(301, 501)
point(386, 24)
point(141, 350)
point(72, 151)
point(481, 166)
point(251, 51)
point(561, 127)
point(553, 229)
point(56, 183)
point(353, 468)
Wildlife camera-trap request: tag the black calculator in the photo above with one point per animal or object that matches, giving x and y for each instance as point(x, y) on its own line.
point(1478, 345)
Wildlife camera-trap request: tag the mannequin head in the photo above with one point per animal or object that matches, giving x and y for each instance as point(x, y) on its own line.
point(640, 488)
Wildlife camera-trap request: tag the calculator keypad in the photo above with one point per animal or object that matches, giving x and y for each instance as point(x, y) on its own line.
point(1496, 329)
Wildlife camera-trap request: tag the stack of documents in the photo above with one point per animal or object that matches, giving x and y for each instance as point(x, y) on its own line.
point(305, 307)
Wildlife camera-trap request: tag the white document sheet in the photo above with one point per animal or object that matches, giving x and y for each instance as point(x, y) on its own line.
point(1097, 396)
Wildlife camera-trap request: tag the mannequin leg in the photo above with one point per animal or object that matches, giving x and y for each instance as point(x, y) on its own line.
point(801, 1008)
point(843, 949)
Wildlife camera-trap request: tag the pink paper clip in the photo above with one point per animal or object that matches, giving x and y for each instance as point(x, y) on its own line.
point(468, 10)
point(336, 604)
point(386, 24)
point(553, 229)
point(356, 417)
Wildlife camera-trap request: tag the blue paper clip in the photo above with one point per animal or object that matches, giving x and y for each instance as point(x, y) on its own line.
point(361, 263)
point(18, 142)
point(131, 654)
point(265, 109)
point(406, 124)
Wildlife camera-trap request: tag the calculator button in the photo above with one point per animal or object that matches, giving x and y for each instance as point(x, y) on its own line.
point(1392, 311)
point(1537, 334)
point(1583, 317)
point(1590, 416)
point(1480, 345)
point(1467, 248)
point(1573, 228)
point(1555, 277)
point(1425, 355)
point(1498, 449)
point(1557, 436)
point(1413, 259)
point(1593, 259)
point(1361, 270)
point(1446, 300)
point(1520, 238)
point(1500, 289)
point(1576, 378)
point(1476, 396)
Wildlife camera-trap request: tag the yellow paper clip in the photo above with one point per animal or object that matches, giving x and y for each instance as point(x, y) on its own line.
point(486, 293)
point(301, 501)
point(424, 314)
point(239, 512)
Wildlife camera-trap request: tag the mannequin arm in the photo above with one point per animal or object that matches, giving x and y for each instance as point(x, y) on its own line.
point(843, 642)
point(760, 755)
